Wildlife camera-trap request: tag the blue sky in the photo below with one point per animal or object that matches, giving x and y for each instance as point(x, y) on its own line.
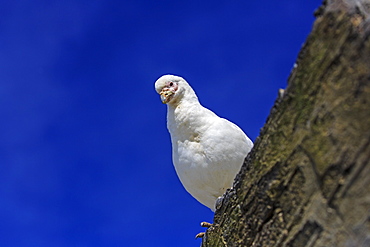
point(85, 156)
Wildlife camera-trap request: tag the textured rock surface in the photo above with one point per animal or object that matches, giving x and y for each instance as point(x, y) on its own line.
point(307, 181)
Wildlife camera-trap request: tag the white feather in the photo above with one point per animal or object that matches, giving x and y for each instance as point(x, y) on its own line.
point(207, 151)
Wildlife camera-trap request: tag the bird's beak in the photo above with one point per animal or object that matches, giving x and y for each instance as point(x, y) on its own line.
point(166, 95)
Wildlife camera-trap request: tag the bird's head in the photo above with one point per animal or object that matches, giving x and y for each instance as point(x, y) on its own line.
point(171, 88)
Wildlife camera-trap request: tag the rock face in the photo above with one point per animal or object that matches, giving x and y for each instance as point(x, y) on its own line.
point(307, 181)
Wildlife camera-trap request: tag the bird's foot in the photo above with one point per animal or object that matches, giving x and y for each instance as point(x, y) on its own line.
point(205, 224)
point(201, 234)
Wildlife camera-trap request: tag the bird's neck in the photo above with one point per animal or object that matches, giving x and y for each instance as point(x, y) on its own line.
point(187, 118)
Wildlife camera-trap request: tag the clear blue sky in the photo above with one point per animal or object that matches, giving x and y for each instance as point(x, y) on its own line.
point(85, 156)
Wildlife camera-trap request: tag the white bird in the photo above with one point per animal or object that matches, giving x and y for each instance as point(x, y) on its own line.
point(207, 151)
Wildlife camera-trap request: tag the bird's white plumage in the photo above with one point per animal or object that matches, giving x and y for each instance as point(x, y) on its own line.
point(207, 151)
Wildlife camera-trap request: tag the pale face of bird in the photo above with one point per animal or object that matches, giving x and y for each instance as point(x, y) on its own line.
point(167, 87)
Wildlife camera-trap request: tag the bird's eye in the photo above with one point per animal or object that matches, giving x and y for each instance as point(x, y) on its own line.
point(171, 84)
